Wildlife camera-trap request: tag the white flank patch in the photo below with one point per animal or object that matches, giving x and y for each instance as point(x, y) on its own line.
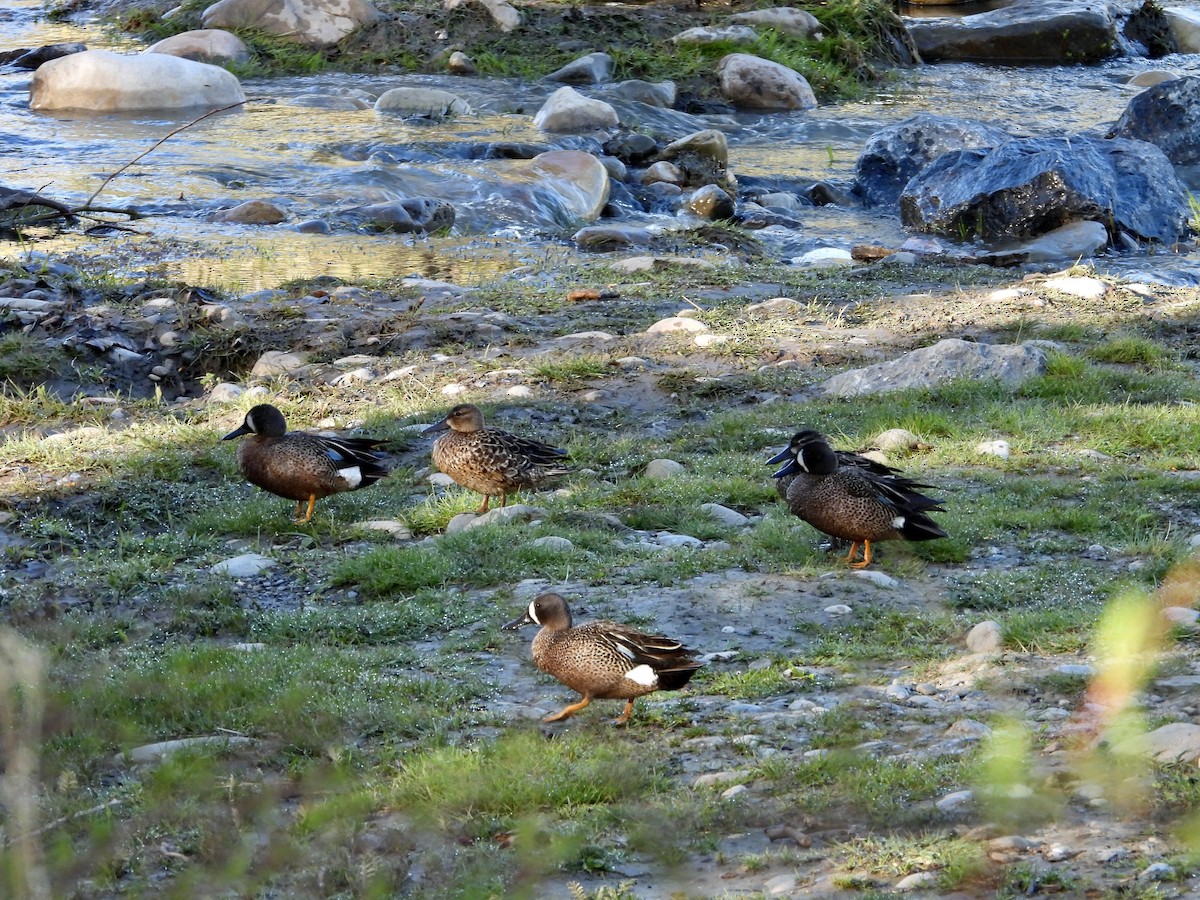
point(353, 475)
point(643, 675)
point(533, 614)
point(898, 522)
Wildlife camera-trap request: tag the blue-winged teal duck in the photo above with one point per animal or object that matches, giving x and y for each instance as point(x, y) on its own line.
point(490, 460)
point(302, 466)
point(852, 497)
point(603, 659)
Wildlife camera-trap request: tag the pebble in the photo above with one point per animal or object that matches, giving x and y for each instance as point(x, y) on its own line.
point(916, 881)
point(838, 609)
point(780, 884)
point(733, 792)
point(956, 802)
point(245, 566)
point(663, 468)
point(553, 542)
point(667, 539)
point(718, 779)
point(985, 637)
point(396, 529)
point(876, 577)
point(1059, 853)
point(1159, 871)
point(1000, 448)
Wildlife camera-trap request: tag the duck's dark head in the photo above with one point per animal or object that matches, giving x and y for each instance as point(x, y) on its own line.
point(466, 417)
point(548, 610)
point(263, 419)
point(807, 451)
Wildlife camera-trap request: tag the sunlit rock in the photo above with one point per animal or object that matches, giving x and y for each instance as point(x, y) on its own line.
point(712, 34)
point(460, 64)
point(419, 101)
point(579, 181)
point(252, 212)
point(1184, 24)
point(595, 68)
point(278, 362)
point(711, 202)
point(1168, 116)
point(505, 15)
point(210, 45)
point(702, 156)
point(752, 82)
point(662, 171)
point(313, 23)
point(567, 110)
point(1030, 31)
point(103, 81)
point(797, 23)
point(946, 360)
point(663, 468)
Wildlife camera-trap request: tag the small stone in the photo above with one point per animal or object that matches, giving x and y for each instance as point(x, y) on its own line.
point(718, 779)
point(398, 530)
point(553, 542)
point(663, 468)
point(1159, 871)
point(733, 792)
point(676, 323)
point(668, 539)
point(517, 512)
point(724, 514)
point(956, 802)
point(225, 392)
point(1082, 670)
point(882, 579)
point(916, 881)
point(1182, 616)
point(1059, 853)
point(838, 609)
point(245, 566)
point(460, 522)
point(897, 692)
point(985, 637)
point(250, 647)
point(149, 753)
point(780, 884)
point(1000, 448)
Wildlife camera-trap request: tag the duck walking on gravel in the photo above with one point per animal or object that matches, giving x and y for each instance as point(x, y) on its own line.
point(603, 660)
point(491, 461)
point(851, 497)
point(302, 466)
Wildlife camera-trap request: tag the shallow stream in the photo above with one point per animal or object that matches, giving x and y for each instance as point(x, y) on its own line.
point(309, 160)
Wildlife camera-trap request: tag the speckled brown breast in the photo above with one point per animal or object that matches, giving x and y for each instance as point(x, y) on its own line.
point(492, 461)
point(582, 660)
point(843, 505)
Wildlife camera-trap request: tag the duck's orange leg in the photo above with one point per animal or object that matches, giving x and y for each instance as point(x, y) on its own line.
point(850, 555)
point(569, 711)
point(483, 507)
point(306, 517)
point(866, 560)
point(624, 717)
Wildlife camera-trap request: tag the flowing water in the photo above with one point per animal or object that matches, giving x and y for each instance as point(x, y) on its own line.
point(313, 160)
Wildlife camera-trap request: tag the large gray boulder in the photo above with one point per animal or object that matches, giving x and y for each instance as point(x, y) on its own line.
point(313, 23)
point(103, 81)
point(1028, 186)
point(210, 45)
point(1168, 116)
point(895, 154)
point(1028, 31)
point(944, 361)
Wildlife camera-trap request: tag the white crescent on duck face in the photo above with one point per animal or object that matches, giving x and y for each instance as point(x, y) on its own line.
point(301, 466)
point(848, 496)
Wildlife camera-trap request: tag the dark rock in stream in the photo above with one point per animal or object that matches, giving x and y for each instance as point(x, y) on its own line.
point(1028, 186)
point(895, 154)
point(1168, 116)
point(31, 59)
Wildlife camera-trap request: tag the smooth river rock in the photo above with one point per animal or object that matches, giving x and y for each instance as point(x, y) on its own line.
point(210, 45)
point(752, 82)
point(313, 23)
point(103, 81)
